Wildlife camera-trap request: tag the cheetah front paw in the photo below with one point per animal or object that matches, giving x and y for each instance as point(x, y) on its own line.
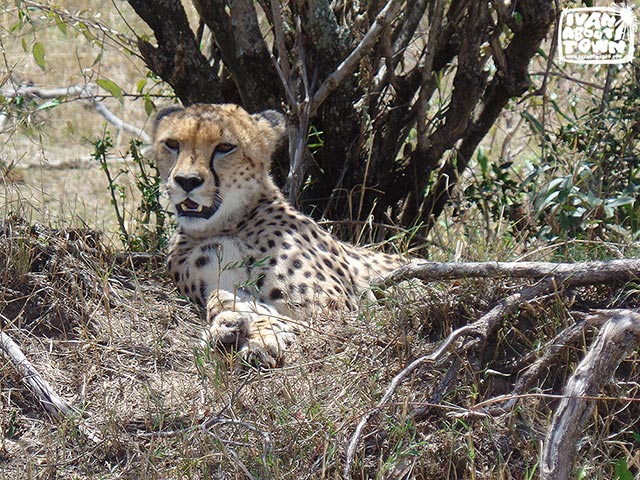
point(257, 339)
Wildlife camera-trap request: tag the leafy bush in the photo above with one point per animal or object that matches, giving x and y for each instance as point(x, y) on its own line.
point(586, 179)
point(589, 181)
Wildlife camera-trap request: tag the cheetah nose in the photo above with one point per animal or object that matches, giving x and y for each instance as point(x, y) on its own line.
point(189, 182)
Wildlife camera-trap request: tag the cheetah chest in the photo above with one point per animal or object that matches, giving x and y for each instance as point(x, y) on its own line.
point(200, 267)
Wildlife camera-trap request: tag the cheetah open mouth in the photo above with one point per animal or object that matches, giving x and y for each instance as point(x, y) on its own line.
point(189, 208)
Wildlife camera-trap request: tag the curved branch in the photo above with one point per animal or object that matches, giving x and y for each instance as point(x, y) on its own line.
point(618, 338)
point(347, 67)
point(83, 92)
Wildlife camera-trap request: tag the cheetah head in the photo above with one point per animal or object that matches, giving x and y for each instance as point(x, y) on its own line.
point(215, 161)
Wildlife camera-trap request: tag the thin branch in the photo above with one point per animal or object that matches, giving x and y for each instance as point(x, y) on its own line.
point(426, 90)
point(346, 68)
point(209, 423)
point(281, 64)
point(119, 39)
point(83, 92)
point(395, 383)
point(566, 76)
point(483, 327)
point(120, 124)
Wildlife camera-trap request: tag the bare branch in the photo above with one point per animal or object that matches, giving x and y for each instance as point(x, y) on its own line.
point(83, 92)
point(572, 273)
point(119, 123)
point(347, 67)
point(283, 68)
point(48, 398)
point(427, 74)
point(482, 327)
point(393, 386)
point(619, 336)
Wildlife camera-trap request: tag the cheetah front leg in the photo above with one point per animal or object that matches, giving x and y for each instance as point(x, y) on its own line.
point(255, 330)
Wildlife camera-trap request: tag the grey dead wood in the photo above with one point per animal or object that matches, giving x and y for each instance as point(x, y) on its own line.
point(48, 398)
point(618, 338)
point(581, 273)
point(551, 276)
point(52, 403)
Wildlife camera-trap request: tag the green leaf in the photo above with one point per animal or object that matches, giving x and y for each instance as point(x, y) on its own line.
point(621, 470)
point(140, 84)
point(38, 54)
point(98, 58)
point(62, 26)
point(483, 161)
point(518, 18)
point(533, 122)
point(620, 201)
point(149, 106)
point(112, 87)
point(50, 104)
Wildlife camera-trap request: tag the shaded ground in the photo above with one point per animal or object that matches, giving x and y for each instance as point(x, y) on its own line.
point(111, 335)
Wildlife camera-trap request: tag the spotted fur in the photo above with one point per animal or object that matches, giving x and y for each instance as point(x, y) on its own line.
point(261, 268)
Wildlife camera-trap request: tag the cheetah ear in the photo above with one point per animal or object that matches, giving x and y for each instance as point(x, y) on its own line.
point(163, 113)
point(275, 120)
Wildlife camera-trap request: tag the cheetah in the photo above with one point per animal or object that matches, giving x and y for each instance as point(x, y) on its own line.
point(260, 268)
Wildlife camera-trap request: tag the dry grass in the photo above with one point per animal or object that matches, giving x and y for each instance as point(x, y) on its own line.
point(110, 333)
point(113, 337)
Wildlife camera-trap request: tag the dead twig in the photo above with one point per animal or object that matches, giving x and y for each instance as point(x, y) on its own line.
point(619, 336)
point(395, 383)
point(482, 327)
point(209, 423)
point(553, 348)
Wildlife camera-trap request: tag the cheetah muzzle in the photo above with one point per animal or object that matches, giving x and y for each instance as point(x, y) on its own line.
point(189, 208)
point(260, 268)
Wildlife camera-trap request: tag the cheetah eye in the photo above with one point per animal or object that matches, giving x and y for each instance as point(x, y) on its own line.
point(172, 145)
point(223, 149)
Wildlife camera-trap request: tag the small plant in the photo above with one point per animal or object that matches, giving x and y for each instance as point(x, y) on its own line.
point(150, 219)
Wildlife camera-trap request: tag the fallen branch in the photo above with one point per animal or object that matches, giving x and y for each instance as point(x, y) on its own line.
point(619, 336)
point(48, 398)
point(576, 273)
point(553, 348)
point(553, 275)
point(395, 383)
point(53, 403)
point(482, 327)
